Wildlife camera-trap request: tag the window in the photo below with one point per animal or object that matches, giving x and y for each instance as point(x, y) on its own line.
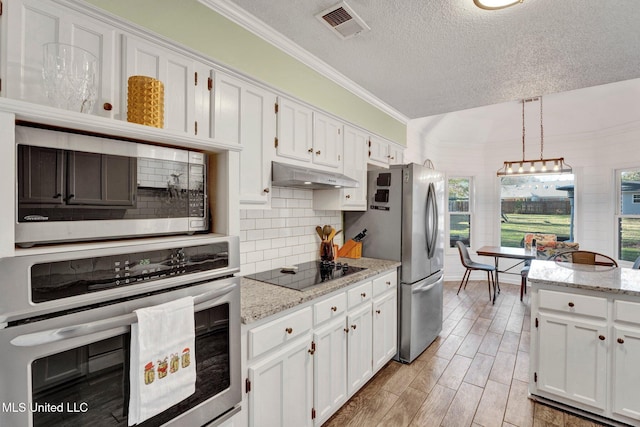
point(459, 211)
point(628, 214)
point(536, 204)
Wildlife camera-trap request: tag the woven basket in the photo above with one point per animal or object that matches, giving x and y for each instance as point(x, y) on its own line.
point(145, 101)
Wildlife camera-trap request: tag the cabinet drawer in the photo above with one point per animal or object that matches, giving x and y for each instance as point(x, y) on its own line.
point(626, 311)
point(359, 294)
point(573, 303)
point(384, 283)
point(329, 308)
point(269, 336)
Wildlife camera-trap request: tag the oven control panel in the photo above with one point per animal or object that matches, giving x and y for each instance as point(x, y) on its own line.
point(62, 279)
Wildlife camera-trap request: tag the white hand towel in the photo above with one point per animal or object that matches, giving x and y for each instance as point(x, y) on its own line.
point(163, 364)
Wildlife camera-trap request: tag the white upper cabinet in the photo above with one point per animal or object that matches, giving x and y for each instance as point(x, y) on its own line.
point(294, 131)
point(327, 141)
point(355, 152)
point(31, 24)
point(227, 111)
point(176, 72)
point(257, 128)
point(383, 153)
point(396, 154)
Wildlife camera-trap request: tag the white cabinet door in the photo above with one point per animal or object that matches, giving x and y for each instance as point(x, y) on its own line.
point(32, 23)
point(257, 129)
point(572, 359)
point(327, 141)
point(203, 101)
point(385, 319)
point(176, 73)
point(281, 388)
point(626, 374)
point(294, 132)
point(355, 166)
point(226, 123)
point(359, 365)
point(330, 368)
point(378, 152)
point(396, 155)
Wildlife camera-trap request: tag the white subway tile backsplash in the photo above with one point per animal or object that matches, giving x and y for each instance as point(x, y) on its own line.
point(255, 234)
point(285, 234)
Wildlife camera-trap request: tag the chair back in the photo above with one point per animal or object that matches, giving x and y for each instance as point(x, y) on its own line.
point(464, 254)
point(636, 265)
point(586, 257)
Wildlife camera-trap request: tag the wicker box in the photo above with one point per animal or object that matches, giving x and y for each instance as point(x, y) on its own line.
point(145, 101)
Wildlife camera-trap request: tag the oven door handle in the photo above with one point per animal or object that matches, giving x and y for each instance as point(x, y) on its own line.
point(54, 335)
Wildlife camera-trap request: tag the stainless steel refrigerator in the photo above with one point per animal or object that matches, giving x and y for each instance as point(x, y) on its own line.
point(405, 222)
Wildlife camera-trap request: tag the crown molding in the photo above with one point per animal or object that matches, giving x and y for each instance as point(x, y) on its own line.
point(252, 24)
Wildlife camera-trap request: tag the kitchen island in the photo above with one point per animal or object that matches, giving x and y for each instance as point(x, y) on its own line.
point(585, 340)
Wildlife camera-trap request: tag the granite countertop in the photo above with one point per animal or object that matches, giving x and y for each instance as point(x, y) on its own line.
point(260, 300)
point(591, 277)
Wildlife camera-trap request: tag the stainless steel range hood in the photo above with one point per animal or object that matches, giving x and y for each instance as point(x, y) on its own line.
point(283, 175)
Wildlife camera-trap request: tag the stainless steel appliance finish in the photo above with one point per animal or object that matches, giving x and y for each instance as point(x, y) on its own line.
point(74, 187)
point(284, 175)
point(405, 223)
point(59, 361)
point(72, 352)
point(20, 300)
point(421, 304)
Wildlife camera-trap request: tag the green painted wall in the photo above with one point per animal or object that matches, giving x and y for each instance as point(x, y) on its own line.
point(198, 27)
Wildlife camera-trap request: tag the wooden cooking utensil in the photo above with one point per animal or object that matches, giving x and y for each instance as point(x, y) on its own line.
point(326, 230)
point(320, 232)
point(332, 234)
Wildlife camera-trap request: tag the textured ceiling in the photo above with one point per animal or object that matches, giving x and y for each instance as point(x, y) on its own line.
point(427, 57)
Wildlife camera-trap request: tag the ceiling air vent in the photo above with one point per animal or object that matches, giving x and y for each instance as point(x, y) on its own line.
point(343, 21)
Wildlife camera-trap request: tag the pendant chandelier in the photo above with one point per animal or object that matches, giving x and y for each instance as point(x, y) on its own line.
point(534, 166)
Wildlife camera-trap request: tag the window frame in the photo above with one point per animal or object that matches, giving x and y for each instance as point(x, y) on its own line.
point(470, 212)
point(618, 215)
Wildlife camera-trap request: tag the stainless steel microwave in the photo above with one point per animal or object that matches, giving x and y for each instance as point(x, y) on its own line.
point(73, 187)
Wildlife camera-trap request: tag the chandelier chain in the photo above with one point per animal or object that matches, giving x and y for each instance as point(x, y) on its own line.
point(523, 130)
point(541, 132)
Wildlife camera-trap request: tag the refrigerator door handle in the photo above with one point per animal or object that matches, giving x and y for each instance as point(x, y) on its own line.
point(431, 221)
point(424, 288)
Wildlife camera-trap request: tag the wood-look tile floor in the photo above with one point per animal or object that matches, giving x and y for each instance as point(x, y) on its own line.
point(474, 374)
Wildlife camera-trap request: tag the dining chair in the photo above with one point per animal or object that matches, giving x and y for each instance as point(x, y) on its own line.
point(585, 257)
point(471, 265)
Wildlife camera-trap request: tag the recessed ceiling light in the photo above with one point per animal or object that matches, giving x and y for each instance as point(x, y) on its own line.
point(495, 4)
point(307, 182)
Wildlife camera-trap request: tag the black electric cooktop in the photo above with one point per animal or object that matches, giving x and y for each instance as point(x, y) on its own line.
point(307, 274)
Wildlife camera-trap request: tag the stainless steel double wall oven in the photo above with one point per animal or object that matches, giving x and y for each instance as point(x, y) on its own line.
point(65, 321)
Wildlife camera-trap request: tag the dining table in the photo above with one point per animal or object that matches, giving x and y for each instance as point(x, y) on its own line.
point(498, 252)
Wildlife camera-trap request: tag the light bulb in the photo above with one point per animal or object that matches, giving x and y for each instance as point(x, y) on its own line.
point(544, 167)
point(532, 168)
point(509, 168)
point(555, 166)
point(520, 169)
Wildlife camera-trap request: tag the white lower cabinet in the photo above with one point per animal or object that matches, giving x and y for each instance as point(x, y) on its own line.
point(585, 350)
point(359, 347)
point(572, 359)
point(300, 375)
point(385, 331)
point(330, 368)
point(282, 387)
